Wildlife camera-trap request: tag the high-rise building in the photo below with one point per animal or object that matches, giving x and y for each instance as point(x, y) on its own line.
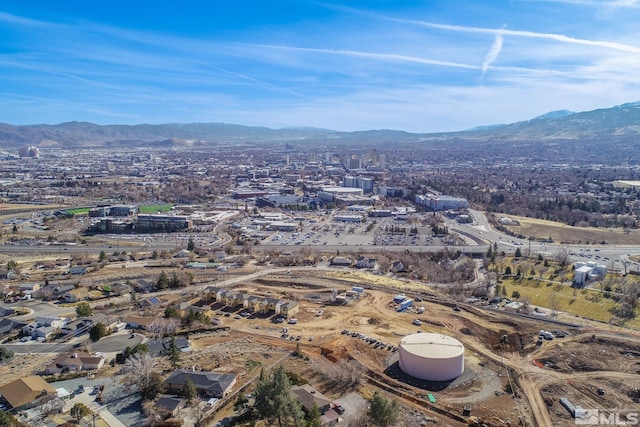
point(366, 184)
point(355, 163)
point(29, 152)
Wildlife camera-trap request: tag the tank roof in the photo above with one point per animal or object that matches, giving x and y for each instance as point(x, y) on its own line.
point(432, 346)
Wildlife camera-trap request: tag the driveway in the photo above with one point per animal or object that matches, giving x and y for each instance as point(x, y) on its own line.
point(116, 342)
point(119, 406)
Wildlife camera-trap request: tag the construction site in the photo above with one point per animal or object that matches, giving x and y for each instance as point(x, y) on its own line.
point(511, 375)
point(345, 338)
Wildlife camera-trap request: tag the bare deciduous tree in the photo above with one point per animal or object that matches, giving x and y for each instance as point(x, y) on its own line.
point(562, 256)
point(554, 304)
point(138, 369)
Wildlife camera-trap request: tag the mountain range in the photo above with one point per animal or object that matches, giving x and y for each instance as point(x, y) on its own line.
point(619, 123)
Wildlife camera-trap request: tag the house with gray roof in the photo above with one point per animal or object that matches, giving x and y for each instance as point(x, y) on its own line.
point(207, 383)
point(161, 347)
point(170, 405)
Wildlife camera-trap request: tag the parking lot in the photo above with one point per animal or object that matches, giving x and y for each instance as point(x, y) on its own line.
point(372, 232)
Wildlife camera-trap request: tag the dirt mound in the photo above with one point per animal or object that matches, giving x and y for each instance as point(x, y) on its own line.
point(593, 354)
point(501, 339)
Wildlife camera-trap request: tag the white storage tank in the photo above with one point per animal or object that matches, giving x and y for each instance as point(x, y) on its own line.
point(431, 357)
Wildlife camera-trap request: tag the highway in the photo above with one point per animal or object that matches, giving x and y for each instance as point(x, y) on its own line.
point(614, 257)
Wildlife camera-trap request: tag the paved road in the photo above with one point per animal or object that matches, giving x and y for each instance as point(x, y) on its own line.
point(613, 257)
point(37, 347)
point(116, 342)
point(42, 308)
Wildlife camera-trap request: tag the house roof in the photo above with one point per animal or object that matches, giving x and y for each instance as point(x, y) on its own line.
point(143, 321)
point(25, 390)
point(205, 381)
point(307, 396)
point(289, 305)
point(78, 270)
point(340, 260)
point(169, 403)
point(163, 345)
point(8, 325)
point(329, 417)
point(78, 359)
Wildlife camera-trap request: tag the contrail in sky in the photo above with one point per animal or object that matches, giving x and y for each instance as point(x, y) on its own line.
point(493, 53)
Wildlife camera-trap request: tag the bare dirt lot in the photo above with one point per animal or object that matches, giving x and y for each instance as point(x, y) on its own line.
point(574, 235)
point(500, 349)
point(585, 354)
point(373, 316)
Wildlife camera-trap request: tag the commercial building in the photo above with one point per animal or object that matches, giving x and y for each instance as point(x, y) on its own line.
point(366, 184)
point(31, 151)
point(354, 163)
point(391, 191)
point(162, 222)
point(123, 210)
point(348, 218)
point(586, 271)
point(330, 194)
point(441, 203)
point(247, 193)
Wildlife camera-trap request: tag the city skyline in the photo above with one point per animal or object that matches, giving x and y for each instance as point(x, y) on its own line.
point(411, 65)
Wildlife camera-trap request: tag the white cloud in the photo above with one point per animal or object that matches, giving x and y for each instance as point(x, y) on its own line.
point(530, 34)
point(493, 53)
point(614, 4)
point(373, 55)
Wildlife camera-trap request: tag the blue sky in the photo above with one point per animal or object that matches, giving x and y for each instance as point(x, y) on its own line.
point(419, 66)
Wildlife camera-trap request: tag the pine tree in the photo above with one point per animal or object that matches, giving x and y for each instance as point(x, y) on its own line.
point(175, 282)
point(240, 405)
point(189, 391)
point(313, 420)
point(79, 411)
point(98, 331)
point(163, 281)
point(383, 412)
point(153, 386)
point(274, 401)
point(174, 353)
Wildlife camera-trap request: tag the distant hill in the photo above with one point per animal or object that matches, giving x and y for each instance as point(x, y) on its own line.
point(555, 114)
point(617, 123)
